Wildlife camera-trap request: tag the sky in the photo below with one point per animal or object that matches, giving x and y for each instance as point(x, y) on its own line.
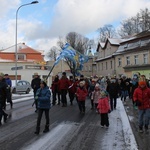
point(40, 25)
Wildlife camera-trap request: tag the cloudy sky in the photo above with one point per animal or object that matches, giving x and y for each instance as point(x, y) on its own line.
point(40, 25)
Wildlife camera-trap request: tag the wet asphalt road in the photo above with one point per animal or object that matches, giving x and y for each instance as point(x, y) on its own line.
point(70, 130)
point(76, 131)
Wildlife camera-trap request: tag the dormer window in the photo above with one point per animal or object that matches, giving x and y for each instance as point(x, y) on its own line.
point(21, 57)
point(126, 45)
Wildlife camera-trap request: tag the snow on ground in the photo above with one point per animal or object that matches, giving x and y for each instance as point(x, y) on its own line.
point(119, 131)
point(119, 135)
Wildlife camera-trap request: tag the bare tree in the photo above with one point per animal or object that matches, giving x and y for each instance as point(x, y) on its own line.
point(52, 53)
point(108, 31)
point(136, 24)
point(145, 19)
point(76, 41)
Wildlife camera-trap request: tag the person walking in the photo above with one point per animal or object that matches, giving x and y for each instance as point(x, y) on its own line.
point(4, 94)
point(81, 94)
point(134, 85)
point(96, 95)
point(141, 97)
point(124, 87)
point(63, 87)
point(104, 109)
point(9, 83)
point(55, 90)
point(90, 91)
point(35, 84)
point(71, 89)
point(42, 97)
point(113, 90)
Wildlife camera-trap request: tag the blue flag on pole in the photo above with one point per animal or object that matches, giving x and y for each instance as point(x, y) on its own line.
point(77, 58)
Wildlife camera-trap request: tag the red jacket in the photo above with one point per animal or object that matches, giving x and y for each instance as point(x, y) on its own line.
point(72, 87)
point(103, 105)
point(81, 93)
point(63, 84)
point(143, 96)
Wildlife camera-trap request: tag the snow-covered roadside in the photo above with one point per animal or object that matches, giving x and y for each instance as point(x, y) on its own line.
point(119, 136)
point(128, 134)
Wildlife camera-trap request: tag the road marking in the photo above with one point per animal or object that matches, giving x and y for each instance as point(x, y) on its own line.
point(51, 139)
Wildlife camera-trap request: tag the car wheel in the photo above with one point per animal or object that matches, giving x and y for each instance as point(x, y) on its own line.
point(14, 91)
point(28, 90)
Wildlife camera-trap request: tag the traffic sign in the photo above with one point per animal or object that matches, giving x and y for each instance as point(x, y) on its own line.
point(18, 68)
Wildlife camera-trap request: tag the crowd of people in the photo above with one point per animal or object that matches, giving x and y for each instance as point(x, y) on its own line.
point(102, 92)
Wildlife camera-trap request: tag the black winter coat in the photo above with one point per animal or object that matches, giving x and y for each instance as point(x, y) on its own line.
point(4, 92)
point(35, 84)
point(113, 89)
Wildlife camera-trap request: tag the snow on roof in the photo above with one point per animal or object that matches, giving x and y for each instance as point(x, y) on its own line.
point(102, 45)
point(115, 41)
point(12, 48)
point(20, 47)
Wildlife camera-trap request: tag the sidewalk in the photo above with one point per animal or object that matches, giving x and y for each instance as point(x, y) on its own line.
point(119, 135)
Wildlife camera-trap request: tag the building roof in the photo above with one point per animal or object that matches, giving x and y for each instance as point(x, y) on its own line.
point(21, 48)
point(139, 41)
point(112, 41)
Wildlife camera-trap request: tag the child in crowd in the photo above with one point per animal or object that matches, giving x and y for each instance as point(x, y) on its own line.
point(90, 91)
point(81, 94)
point(104, 109)
point(96, 95)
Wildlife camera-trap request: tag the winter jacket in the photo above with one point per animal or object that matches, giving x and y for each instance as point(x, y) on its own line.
point(72, 87)
point(81, 93)
point(63, 83)
point(4, 92)
point(113, 89)
point(103, 105)
point(43, 98)
point(96, 95)
point(8, 81)
point(35, 84)
point(143, 97)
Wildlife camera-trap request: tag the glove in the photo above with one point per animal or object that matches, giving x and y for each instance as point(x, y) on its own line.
point(36, 97)
point(137, 103)
point(109, 111)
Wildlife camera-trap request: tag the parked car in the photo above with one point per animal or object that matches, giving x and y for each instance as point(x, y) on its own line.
point(22, 86)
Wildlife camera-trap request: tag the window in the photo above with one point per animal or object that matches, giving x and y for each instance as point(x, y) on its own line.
point(90, 68)
point(110, 64)
point(21, 57)
point(106, 65)
point(145, 58)
point(136, 59)
point(128, 60)
point(119, 62)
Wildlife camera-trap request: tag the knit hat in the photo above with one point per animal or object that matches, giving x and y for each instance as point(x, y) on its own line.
point(104, 93)
point(1, 74)
point(142, 80)
point(64, 73)
point(35, 74)
point(142, 83)
point(82, 82)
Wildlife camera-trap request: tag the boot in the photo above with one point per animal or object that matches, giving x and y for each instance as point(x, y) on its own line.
point(5, 117)
point(46, 129)
point(37, 130)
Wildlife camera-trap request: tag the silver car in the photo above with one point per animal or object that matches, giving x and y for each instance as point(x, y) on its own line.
point(22, 86)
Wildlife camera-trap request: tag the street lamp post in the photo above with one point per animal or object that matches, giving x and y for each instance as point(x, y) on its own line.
point(16, 58)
